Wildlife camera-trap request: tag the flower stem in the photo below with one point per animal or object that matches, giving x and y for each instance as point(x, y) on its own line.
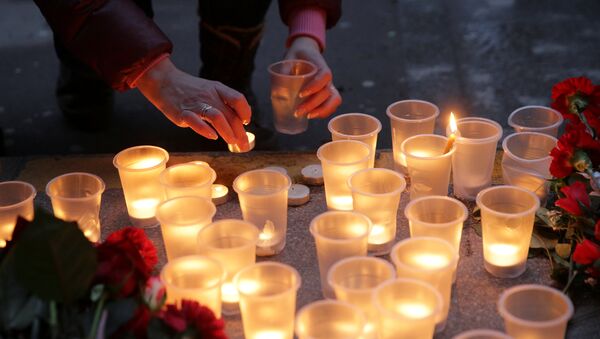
point(53, 319)
point(572, 274)
point(97, 313)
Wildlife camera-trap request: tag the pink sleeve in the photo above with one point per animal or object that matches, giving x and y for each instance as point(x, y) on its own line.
point(308, 21)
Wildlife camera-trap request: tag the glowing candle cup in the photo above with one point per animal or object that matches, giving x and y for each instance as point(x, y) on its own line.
point(473, 159)
point(428, 166)
point(340, 159)
point(536, 119)
point(139, 170)
point(180, 220)
point(16, 199)
point(330, 319)
point(356, 126)
point(482, 334)
point(376, 193)
point(535, 312)
point(232, 243)
point(76, 197)
point(263, 196)
point(407, 308)
point(268, 300)
point(195, 278)
point(409, 118)
point(338, 235)
point(354, 279)
point(507, 216)
point(189, 179)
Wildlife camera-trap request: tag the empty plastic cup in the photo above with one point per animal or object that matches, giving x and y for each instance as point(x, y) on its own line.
point(16, 199)
point(189, 179)
point(482, 334)
point(330, 319)
point(356, 126)
point(536, 119)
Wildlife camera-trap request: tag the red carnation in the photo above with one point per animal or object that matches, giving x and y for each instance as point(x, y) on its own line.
point(561, 166)
point(574, 195)
point(597, 230)
point(586, 252)
point(193, 315)
point(564, 92)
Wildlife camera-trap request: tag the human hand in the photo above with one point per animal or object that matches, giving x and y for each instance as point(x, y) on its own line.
point(194, 102)
point(322, 98)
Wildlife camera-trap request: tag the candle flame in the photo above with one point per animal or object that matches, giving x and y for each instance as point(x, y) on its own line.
point(219, 191)
point(414, 310)
point(268, 231)
point(453, 127)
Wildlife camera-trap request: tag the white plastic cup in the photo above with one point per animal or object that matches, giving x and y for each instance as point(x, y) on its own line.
point(482, 334)
point(188, 179)
point(16, 199)
point(356, 126)
point(330, 319)
point(536, 119)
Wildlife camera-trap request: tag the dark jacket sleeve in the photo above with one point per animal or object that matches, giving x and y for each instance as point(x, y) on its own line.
point(114, 37)
point(333, 9)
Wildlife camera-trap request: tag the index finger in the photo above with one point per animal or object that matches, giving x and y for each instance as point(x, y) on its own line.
point(317, 83)
point(236, 101)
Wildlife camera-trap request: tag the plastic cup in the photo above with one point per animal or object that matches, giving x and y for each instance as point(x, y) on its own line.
point(139, 169)
point(376, 193)
point(526, 161)
point(287, 79)
point(473, 159)
point(77, 197)
point(195, 278)
point(16, 199)
point(428, 166)
point(406, 308)
point(536, 119)
point(263, 196)
point(268, 299)
point(482, 334)
point(507, 216)
point(338, 235)
point(535, 312)
point(330, 319)
point(356, 126)
point(354, 279)
point(180, 221)
point(339, 160)
point(188, 179)
point(409, 118)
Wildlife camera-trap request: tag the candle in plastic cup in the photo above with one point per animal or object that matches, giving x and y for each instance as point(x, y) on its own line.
point(263, 196)
point(526, 161)
point(330, 319)
point(194, 277)
point(268, 299)
point(180, 221)
point(535, 312)
point(233, 243)
point(473, 159)
point(16, 199)
point(409, 118)
point(407, 308)
point(339, 160)
point(376, 193)
point(77, 197)
point(354, 279)
point(356, 126)
point(536, 119)
point(428, 166)
point(188, 179)
point(287, 79)
point(482, 334)
point(139, 169)
point(507, 216)
point(338, 235)
point(431, 260)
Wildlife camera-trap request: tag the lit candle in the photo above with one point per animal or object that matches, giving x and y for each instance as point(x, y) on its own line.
point(414, 310)
point(220, 194)
point(143, 208)
point(330, 319)
point(266, 237)
point(234, 148)
point(145, 163)
point(16, 199)
point(452, 136)
point(503, 254)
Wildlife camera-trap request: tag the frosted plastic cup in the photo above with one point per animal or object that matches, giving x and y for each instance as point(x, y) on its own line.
point(376, 193)
point(180, 220)
point(330, 319)
point(196, 278)
point(354, 279)
point(507, 216)
point(428, 166)
point(536, 119)
point(338, 235)
point(356, 126)
point(287, 79)
point(232, 243)
point(535, 312)
point(263, 196)
point(268, 299)
point(189, 179)
point(339, 160)
point(409, 118)
point(482, 334)
point(431, 260)
point(16, 199)
point(526, 161)
point(77, 197)
point(139, 169)
point(407, 308)
point(473, 159)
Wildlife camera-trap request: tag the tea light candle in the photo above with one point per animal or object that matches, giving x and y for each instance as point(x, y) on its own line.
point(298, 194)
point(220, 194)
point(312, 175)
point(234, 148)
point(144, 208)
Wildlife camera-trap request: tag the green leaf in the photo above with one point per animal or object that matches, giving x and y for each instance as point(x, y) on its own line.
point(539, 241)
point(559, 260)
point(120, 312)
point(54, 260)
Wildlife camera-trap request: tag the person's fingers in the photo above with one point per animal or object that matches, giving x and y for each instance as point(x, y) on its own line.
point(318, 82)
point(236, 101)
point(193, 121)
point(328, 107)
point(313, 101)
point(237, 127)
point(216, 118)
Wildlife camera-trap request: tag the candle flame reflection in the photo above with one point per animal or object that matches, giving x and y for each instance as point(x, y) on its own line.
point(414, 310)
